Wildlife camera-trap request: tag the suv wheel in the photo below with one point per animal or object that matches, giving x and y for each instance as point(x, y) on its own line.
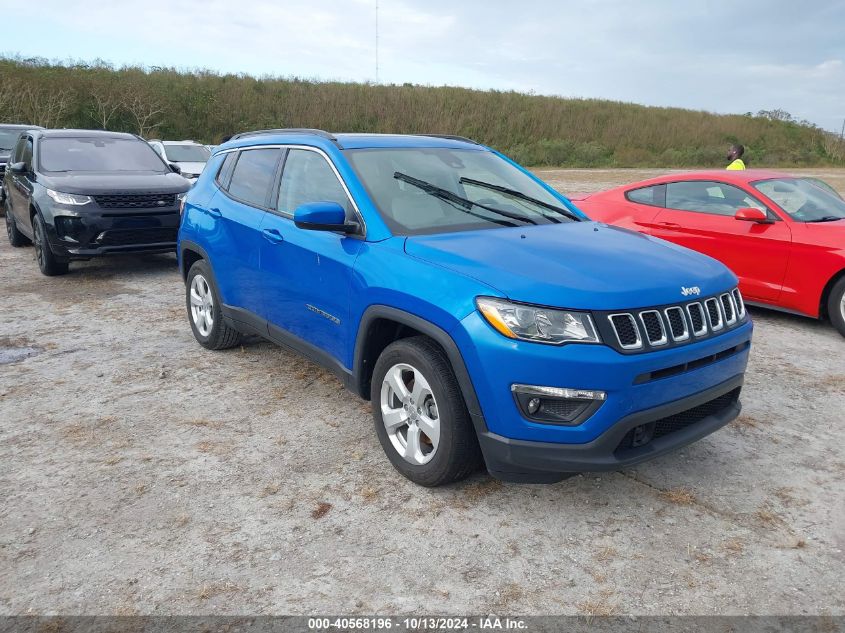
point(420, 416)
point(204, 315)
point(48, 263)
point(836, 306)
point(16, 238)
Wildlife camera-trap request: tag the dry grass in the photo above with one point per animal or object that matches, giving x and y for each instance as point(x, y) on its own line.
point(369, 494)
point(321, 510)
point(181, 521)
point(600, 606)
point(678, 496)
point(271, 489)
point(606, 554)
point(734, 547)
point(481, 489)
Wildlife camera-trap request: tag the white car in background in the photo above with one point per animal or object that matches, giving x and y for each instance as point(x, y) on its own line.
point(189, 156)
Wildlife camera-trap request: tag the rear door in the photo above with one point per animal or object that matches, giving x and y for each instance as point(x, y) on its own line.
point(699, 214)
point(236, 211)
point(307, 275)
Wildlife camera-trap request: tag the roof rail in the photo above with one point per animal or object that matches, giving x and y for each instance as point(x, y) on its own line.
point(289, 130)
point(452, 137)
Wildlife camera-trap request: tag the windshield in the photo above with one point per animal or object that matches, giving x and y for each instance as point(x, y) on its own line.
point(187, 153)
point(420, 191)
point(802, 200)
point(8, 138)
point(98, 154)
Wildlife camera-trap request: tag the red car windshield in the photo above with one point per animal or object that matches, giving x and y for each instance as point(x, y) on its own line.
point(802, 200)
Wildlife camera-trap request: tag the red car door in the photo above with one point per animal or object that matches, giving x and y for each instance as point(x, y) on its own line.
point(699, 214)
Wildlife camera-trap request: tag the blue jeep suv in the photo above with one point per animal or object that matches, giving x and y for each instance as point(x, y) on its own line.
point(488, 319)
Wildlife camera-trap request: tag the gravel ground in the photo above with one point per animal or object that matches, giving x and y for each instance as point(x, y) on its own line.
point(141, 474)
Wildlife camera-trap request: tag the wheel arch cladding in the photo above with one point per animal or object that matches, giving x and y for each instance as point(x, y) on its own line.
point(381, 325)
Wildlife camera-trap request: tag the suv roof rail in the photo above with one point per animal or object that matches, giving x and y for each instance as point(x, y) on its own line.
point(288, 130)
point(453, 137)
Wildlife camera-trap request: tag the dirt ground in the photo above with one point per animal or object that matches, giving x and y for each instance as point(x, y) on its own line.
point(141, 474)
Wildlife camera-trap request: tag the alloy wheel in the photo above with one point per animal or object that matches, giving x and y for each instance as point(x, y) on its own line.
point(410, 415)
point(202, 305)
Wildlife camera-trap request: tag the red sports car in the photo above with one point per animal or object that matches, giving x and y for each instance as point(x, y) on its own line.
point(784, 236)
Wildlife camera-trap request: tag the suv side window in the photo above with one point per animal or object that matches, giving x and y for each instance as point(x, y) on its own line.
point(307, 177)
point(654, 195)
point(253, 176)
point(704, 196)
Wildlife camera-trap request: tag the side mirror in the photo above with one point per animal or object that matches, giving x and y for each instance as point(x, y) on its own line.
point(18, 168)
point(175, 168)
point(750, 214)
point(323, 216)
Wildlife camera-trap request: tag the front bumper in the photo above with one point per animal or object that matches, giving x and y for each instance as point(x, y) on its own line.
point(637, 388)
point(75, 235)
point(543, 462)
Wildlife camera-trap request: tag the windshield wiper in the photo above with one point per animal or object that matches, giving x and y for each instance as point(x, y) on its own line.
point(521, 196)
point(828, 218)
point(462, 203)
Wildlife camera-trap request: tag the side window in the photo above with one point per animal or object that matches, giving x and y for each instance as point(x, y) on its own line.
point(225, 172)
point(654, 195)
point(705, 196)
point(253, 176)
point(307, 177)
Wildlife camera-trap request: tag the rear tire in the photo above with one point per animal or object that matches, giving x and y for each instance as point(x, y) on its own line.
point(420, 416)
point(16, 238)
point(48, 263)
point(836, 306)
point(202, 301)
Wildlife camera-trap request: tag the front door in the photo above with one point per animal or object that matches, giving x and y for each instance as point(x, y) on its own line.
point(700, 215)
point(307, 275)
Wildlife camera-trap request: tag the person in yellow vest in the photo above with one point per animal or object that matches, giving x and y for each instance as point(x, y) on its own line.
point(735, 156)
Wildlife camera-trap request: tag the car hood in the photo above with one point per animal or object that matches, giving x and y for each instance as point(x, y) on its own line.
point(111, 182)
point(585, 265)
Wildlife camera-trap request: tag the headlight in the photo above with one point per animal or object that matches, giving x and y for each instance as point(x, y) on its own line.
point(534, 323)
point(68, 198)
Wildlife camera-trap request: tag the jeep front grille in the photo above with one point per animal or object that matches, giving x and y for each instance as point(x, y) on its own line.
point(653, 328)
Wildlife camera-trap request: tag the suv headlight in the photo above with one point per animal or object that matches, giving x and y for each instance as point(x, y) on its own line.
point(538, 324)
point(68, 198)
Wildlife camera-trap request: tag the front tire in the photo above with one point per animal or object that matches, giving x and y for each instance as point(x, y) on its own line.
point(16, 238)
point(203, 303)
point(420, 416)
point(48, 263)
point(836, 306)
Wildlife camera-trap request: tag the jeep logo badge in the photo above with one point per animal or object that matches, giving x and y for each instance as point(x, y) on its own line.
point(692, 290)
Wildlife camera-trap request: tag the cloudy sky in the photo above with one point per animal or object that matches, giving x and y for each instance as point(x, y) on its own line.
point(717, 55)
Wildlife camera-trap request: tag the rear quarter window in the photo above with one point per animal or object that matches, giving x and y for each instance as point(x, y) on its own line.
point(654, 195)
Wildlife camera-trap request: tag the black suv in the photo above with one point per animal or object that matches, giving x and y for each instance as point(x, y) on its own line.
point(9, 134)
point(81, 193)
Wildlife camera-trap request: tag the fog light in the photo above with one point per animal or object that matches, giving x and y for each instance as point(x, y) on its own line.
point(557, 405)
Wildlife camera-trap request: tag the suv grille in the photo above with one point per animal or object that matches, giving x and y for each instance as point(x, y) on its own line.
point(134, 237)
point(645, 433)
point(137, 201)
point(644, 330)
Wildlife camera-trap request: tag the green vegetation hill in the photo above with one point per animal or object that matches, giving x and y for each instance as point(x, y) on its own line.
point(535, 130)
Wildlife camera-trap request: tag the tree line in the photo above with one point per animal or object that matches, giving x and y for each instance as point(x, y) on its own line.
point(534, 130)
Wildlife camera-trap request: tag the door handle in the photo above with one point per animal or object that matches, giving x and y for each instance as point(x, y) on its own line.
point(272, 236)
point(214, 212)
point(669, 225)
